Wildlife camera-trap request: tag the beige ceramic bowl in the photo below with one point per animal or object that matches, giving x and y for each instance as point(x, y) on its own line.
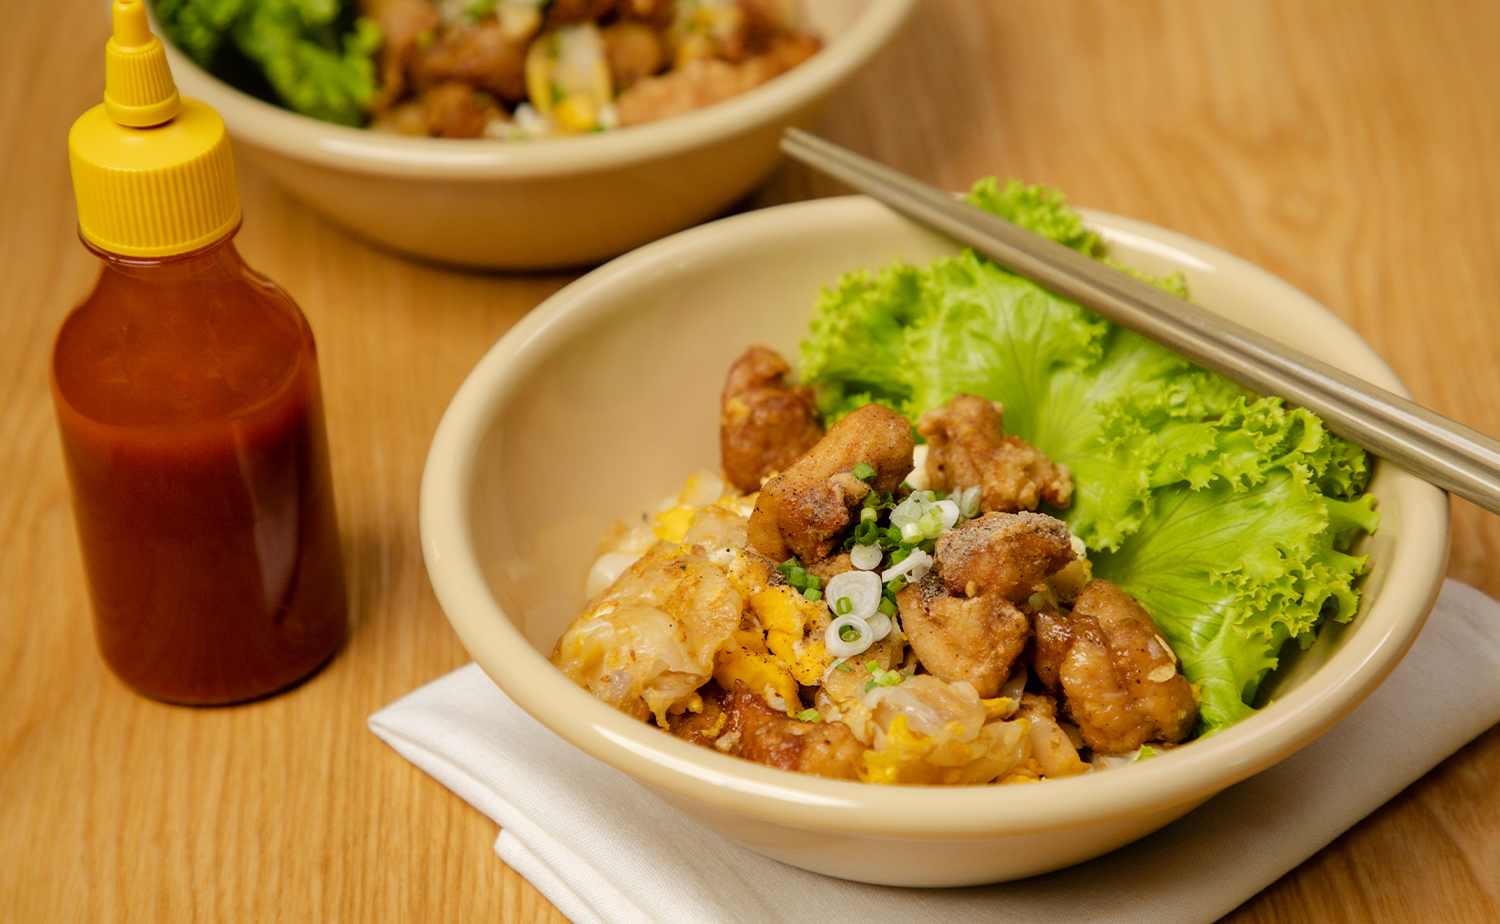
point(604, 399)
point(549, 203)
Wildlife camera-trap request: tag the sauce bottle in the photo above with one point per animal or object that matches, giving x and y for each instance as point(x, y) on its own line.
point(188, 401)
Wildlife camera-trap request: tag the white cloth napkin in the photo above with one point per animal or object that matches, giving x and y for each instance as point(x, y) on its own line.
point(604, 850)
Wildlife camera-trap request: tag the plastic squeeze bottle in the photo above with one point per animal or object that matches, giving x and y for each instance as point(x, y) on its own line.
point(188, 400)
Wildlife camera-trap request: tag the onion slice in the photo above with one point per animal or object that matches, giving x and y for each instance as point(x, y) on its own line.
point(840, 647)
point(853, 593)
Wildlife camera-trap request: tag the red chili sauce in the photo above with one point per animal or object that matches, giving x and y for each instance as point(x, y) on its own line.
point(191, 416)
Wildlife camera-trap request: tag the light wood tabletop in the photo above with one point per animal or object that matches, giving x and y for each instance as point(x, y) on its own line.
point(1351, 148)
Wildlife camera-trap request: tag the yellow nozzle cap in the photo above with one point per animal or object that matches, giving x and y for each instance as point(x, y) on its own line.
point(152, 172)
point(138, 86)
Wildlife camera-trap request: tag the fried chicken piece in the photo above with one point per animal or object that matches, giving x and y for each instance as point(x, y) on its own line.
point(571, 11)
point(830, 567)
point(1052, 636)
point(741, 723)
point(975, 639)
point(455, 110)
point(967, 447)
point(733, 32)
point(658, 13)
point(763, 23)
point(805, 510)
point(765, 423)
point(964, 618)
point(402, 24)
point(1118, 676)
point(1009, 554)
point(704, 727)
point(635, 51)
point(700, 82)
point(484, 56)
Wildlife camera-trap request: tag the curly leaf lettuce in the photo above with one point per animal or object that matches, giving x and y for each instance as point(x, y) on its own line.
point(1230, 517)
point(314, 56)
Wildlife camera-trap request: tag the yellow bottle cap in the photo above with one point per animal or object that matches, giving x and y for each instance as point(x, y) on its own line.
point(152, 171)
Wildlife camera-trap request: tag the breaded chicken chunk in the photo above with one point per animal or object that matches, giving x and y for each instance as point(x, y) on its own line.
point(743, 724)
point(967, 447)
point(765, 422)
point(483, 57)
point(1118, 676)
point(1008, 554)
point(403, 24)
point(805, 510)
point(974, 639)
point(701, 82)
point(964, 619)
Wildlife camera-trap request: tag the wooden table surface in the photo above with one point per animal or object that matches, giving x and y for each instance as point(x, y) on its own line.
point(1352, 148)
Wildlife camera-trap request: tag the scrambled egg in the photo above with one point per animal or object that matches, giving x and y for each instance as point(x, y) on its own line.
point(680, 602)
point(781, 651)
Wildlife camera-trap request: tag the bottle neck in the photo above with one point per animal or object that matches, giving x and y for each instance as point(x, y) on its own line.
point(221, 256)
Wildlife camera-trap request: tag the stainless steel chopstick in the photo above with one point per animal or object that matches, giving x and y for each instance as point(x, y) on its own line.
point(1446, 453)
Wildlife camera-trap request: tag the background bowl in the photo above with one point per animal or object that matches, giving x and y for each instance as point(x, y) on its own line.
point(555, 202)
point(603, 400)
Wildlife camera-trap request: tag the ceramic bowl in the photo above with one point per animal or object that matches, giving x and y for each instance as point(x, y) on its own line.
point(604, 399)
point(550, 203)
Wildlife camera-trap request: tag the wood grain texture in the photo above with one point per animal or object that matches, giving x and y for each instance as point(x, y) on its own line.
point(1352, 148)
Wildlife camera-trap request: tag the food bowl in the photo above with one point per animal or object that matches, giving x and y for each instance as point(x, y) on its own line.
point(547, 203)
point(602, 400)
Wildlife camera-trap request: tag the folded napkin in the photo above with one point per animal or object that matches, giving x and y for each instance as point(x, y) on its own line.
point(604, 850)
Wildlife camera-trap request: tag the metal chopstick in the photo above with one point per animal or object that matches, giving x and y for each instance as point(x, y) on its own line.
point(1446, 453)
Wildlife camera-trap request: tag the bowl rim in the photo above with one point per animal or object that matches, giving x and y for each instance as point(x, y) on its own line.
point(299, 137)
point(1177, 779)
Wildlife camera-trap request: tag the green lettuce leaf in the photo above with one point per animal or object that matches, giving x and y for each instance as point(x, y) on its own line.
point(198, 27)
point(1230, 517)
point(315, 57)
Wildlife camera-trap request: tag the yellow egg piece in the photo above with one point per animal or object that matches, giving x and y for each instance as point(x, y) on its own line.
point(762, 674)
point(672, 525)
point(567, 78)
point(788, 617)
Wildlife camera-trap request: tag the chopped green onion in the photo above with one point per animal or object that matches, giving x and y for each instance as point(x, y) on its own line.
point(867, 533)
point(882, 678)
point(864, 471)
point(800, 579)
point(808, 715)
